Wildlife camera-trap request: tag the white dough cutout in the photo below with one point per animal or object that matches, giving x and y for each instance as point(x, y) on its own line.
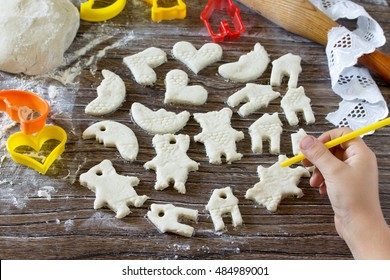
point(167, 217)
point(249, 67)
point(276, 183)
point(296, 140)
point(255, 96)
point(179, 92)
point(195, 59)
point(171, 163)
point(112, 190)
point(222, 202)
point(141, 65)
point(111, 94)
point(268, 127)
point(296, 101)
point(218, 136)
point(114, 134)
point(160, 121)
point(286, 65)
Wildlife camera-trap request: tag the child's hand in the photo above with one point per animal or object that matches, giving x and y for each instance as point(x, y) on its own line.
point(348, 173)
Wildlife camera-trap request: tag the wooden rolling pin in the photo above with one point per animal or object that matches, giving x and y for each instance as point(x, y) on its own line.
point(302, 18)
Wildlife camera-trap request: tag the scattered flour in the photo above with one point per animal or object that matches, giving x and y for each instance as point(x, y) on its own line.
point(69, 225)
point(46, 192)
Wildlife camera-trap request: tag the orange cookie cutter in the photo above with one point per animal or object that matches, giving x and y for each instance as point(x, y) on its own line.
point(36, 142)
point(14, 102)
point(87, 13)
point(160, 13)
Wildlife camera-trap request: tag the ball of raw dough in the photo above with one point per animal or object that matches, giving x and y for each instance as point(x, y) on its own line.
point(35, 34)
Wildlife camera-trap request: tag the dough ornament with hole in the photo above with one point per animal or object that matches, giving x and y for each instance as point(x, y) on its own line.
point(195, 59)
point(114, 134)
point(249, 67)
point(218, 136)
point(276, 183)
point(160, 121)
point(296, 101)
point(141, 65)
point(179, 92)
point(112, 190)
point(268, 127)
point(286, 65)
point(111, 94)
point(254, 96)
point(171, 164)
point(167, 217)
point(222, 202)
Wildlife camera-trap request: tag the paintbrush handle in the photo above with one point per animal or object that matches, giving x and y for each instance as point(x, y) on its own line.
point(342, 139)
point(302, 18)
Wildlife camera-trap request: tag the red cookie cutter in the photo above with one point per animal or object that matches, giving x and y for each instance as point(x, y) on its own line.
point(224, 29)
point(15, 102)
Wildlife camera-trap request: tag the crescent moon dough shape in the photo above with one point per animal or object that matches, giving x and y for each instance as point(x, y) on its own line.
point(111, 94)
point(114, 134)
point(160, 121)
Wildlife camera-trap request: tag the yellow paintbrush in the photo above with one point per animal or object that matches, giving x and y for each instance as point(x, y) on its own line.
point(341, 139)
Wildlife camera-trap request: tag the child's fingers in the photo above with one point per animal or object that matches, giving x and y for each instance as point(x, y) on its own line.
point(316, 178)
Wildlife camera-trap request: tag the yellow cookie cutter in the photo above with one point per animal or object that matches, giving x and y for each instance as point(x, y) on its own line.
point(159, 13)
point(87, 13)
point(36, 141)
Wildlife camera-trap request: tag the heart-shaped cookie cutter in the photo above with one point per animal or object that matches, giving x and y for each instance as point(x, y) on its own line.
point(36, 142)
point(87, 13)
point(159, 13)
point(14, 102)
point(224, 29)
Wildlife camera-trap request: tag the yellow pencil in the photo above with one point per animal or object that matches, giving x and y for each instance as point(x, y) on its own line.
point(341, 139)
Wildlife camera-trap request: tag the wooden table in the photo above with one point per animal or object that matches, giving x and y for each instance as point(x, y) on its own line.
point(67, 226)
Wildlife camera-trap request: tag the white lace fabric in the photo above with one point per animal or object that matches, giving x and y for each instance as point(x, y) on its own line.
point(362, 102)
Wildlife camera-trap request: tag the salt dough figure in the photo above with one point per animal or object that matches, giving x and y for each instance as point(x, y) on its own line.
point(249, 67)
point(166, 218)
point(255, 96)
point(112, 190)
point(276, 183)
point(195, 59)
point(218, 136)
point(171, 162)
point(114, 134)
point(296, 139)
point(296, 101)
point(111, 93)
point(268, 127)
point(221, 202)
point(179, 92)
point(141, 65)
point(160, 121)
point(289, 65)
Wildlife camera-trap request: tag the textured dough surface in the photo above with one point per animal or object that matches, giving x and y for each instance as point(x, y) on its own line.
point(218, 136)
point(114, 134)
point(111, 94)
point(166, 217)
point(195, 59)
point(160, 121)
point(249, 66)
point(34, 35)
point(112, 190)
point(276, 183)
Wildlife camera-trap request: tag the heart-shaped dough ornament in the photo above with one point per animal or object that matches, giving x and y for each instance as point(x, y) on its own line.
point(36, 142)
point(195, 59)
point(179, 92)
